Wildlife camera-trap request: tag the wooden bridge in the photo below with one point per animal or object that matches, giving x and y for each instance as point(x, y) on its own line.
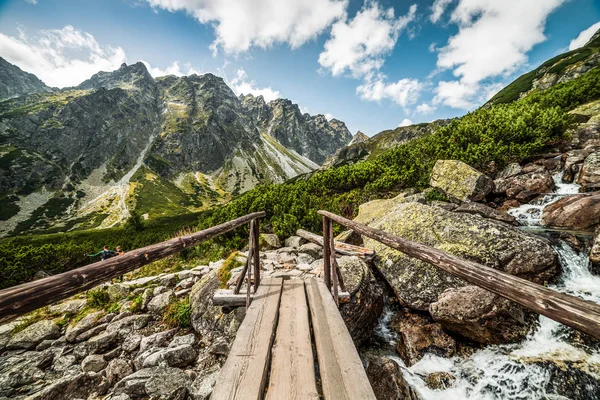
point(293, 343)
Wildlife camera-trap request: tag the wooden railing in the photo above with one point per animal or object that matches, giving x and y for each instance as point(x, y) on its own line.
point(569, 310)
point(20, 299)
point(252, 260)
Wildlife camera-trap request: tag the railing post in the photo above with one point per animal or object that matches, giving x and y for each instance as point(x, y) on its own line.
point(334, 267)
point(326, 253)
point(256, 255)
point(250, 257)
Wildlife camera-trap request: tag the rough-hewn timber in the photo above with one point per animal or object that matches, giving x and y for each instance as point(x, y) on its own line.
point(340, 247)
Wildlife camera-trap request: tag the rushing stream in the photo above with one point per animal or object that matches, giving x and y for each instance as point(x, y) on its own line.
point(498, 372)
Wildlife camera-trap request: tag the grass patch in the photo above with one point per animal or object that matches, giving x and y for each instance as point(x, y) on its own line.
point(98, 298)
point(178, 314)
point(224, 272)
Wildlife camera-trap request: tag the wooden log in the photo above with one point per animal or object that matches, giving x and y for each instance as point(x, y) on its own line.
point(342, 372)
point(334, 266)
point(569, 310)
point(227, 298)
point(244, 374)
point(326, 253)
point(240, 280)
point(340, 247)
point(292, 365)
point(20, 299)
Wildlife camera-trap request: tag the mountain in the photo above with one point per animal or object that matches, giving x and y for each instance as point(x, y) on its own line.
point(562, 68)
point(88, 156)
point(16, 82)
point(362, 147)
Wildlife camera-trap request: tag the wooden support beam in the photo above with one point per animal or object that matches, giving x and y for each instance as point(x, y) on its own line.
point(569, 310)
point(340, 247)
point(256, 254)
point(20, 299)
point(227, 298)
point(334, 266)
point(326, 252)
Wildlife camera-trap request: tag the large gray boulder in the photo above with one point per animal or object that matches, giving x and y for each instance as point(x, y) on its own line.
point(85, 324)
point(32, 335)
point(460, 181)
point(579, 212)
point(418, 284)
point(589, 176)
point(155, 382)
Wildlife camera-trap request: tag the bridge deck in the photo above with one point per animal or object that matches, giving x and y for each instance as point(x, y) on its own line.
point(280, 317)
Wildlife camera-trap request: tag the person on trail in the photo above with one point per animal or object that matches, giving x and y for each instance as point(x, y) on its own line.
point(104, 254)
point(119, 251)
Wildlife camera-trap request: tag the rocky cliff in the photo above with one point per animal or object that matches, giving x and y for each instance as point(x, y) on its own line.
point(16, 82)
point(122, 140)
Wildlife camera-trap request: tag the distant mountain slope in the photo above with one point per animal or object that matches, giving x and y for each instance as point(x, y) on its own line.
point(16, 82)
point(123, 141)
point(559, 69)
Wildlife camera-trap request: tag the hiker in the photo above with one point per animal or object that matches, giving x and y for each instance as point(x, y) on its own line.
point(119, 251)
point(104, 254)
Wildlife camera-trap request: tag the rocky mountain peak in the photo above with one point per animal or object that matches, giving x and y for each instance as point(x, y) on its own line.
point(358, 138)
point(595, 38)
point(15, 82)
point(135, 76)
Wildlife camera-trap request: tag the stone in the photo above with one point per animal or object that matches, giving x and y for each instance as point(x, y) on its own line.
point(204, 383)
point(417, 336)
point(78, 385)
point(573, 162)
point(131, 342)
point(304, 258)
point(525, 196)
point(537, 182)
point(117, 369)
point(86, 323)
point(146, 297)
point(102, 342)
point(208, 320)
point(460, 181)
point(268, 241)
point(159, 339)
point(63, 363)
point(179, 356)
point(480, 316)
point(497, 245)
point(32, 335)
point(40, 275)
point(68, 307)
point(169, 280)
point(532, 168)
point(440, 380)
point(294, 241)
point(595, 251)
point(219, 347)
point(185, 274)
point(304, 267)
point(314, 250)
point(117, 291)
point(509, 171)
point(114, 353)
point(160, 290)
point(578, 212)
point(129, 323)
point(485, 211)
point(155, 382)
point(387, 381)
point(44, 344)
point(158, 303)
point(589, 175)
point(188, 339)
point(350, 237)
point(444, 205)
point(93, 363)
point(91, 332)
point(186, 283)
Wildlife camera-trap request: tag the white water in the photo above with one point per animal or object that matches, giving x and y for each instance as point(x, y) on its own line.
point(501, 371)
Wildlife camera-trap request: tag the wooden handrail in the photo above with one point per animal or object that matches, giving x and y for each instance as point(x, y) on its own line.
point(580, 314)
point(20, 299)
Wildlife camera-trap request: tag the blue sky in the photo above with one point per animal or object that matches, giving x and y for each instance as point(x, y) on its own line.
point(373, 64)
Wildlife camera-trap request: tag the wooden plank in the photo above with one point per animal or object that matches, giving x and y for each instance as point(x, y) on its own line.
point(342, 372)
point(256, 255)
point(292, 365)
point(20, 299)
point(227, 298)
point(326, 252)
point(340, 247)
point(244, 374)
point(580, 314)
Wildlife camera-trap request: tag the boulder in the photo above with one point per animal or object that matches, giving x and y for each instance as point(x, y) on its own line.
point(117, 291)
point(294, 241)
point(268, 241)
point(32, 335)
point(158, 303)
point(350, 237)
point(589, 175)
point(203, 384)
point(480, 316)
point(417, 336)
point(86, 323)
point(68, 307)
point(131, 342)
point(418, 284)
point(509, 171)
point(71, 386)
point(460, 181)
point(155, 382)
point(117, 369)
point(129, 323)
point(578, 212)
point(595, 251)
point(304, 258)
point(208, 320)
point(387, 381)
point(485, 211)
point(180, 356)
point(573, 161)
point(314, 250)
point(93, 363)
point(440, 380)
point(103, 342)
point(535, 182)
point(159, 339)
point(362, 312)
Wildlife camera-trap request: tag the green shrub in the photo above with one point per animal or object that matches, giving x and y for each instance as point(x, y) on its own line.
point(178, 314)
point(98, 298)
point(224, 272)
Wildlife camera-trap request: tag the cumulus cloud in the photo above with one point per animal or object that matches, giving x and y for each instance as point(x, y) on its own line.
point(404, 92)
point(241, 24)
point(485, 48)
point(34, 2)
point(584, 36)
point(361, 44)
point(425, 109)
point(405, 122)
point(60, 57)
point(173, 69)
point(437, 9)
point(241, 85)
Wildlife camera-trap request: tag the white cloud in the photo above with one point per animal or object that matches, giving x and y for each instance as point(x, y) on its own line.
point(463, 95)
point(173, 69)
point(437, 9)
point(241, 85)
point(360, 45)
point(241, 24)
point(60, 57)
point(404, 92)
point(34, 2)
point(426, 109)
point(328, 116)
point(584, 36)
point(405, 122)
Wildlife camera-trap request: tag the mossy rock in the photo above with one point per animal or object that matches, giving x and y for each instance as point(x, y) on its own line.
point(460, 181)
